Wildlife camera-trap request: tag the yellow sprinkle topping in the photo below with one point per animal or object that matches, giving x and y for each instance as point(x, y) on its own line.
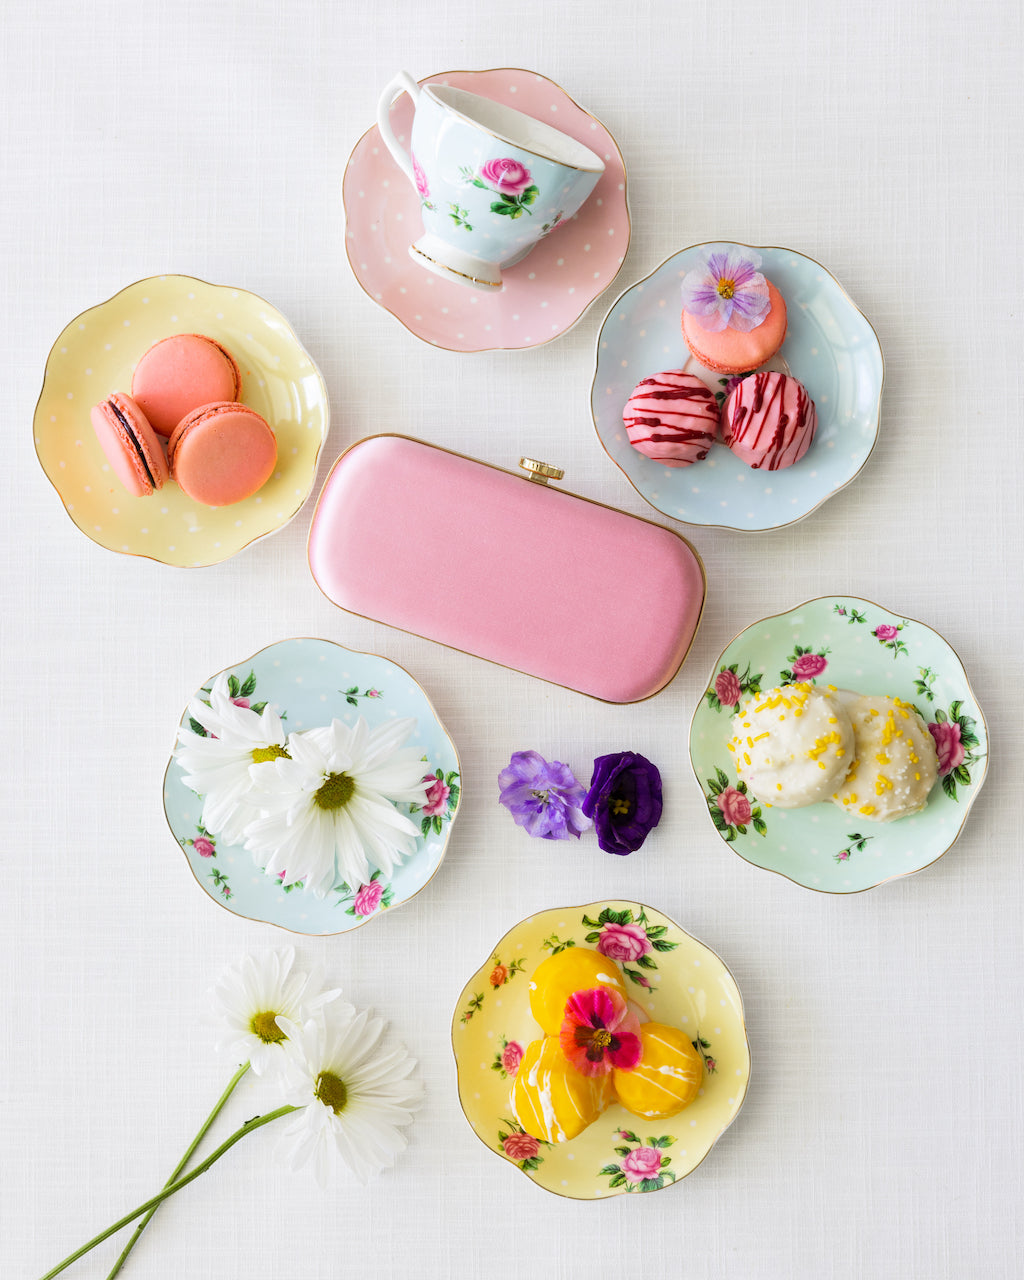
point(882, 758)
point(833, 719)
point(778, 786)
point(867, 809)
point(821, 764)
point(746, 757)
point(882, 783)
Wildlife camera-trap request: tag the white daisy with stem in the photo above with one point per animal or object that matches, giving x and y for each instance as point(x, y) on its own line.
point(217, 764)
point(328, 804)
point(349, 1097)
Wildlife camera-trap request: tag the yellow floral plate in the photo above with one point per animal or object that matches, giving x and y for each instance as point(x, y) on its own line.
point(96, 354)
point(674, 979)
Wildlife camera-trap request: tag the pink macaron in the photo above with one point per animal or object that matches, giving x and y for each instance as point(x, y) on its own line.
point(732, 350)
point(181, 373)
point(132, 447)
point(222, 453)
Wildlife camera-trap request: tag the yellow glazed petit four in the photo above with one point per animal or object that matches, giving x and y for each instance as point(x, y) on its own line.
point(667, 1078)
point(551, 1099)
point(558, 977)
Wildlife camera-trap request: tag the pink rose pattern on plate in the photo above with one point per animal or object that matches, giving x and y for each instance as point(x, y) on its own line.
point(730, 807)
point(956, 745)
point(442, 797)
point(519, 1147)
point(729, 686)
point(804, 664)
point(642, 1166)
point(629, 941)
point(507, 1059)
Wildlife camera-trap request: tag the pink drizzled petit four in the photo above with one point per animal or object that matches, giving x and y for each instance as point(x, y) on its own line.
point(769, 421)
point(672, 418)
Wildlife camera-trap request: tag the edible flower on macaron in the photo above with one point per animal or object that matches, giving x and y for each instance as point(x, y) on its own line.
point(727, 290)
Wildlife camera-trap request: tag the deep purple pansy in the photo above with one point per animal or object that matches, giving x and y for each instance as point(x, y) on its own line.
point(544, 798)
point(624, 801)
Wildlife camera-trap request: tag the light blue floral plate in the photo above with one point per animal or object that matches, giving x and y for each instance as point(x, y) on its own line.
point(830, 346)
point(310, 683)
point(853, 644)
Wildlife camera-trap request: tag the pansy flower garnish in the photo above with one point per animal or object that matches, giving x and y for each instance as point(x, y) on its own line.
point(727, 290)
point(599, 1032)
point(624, 801)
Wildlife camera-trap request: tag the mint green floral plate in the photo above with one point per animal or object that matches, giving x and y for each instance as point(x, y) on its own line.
point(853, 644)
point(312, 682)
point(673, 979)
point(830, 346)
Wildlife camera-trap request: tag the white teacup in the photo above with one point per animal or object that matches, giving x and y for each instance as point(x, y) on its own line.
point(492, 181)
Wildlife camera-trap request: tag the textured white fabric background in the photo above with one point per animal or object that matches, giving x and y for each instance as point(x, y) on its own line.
point(882, 1132)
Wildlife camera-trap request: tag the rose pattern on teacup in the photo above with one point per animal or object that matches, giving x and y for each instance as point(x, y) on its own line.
point(513, 183)
point(367, 899)
point(202, 842)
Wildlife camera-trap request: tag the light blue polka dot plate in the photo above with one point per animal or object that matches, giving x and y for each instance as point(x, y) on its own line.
point(830, 346)
point(310, 683)
point(852, 644)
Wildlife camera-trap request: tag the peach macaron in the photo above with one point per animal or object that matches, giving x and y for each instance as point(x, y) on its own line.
point(731, 350)
point(180, 373)
point(132, 447)
point(222, 453)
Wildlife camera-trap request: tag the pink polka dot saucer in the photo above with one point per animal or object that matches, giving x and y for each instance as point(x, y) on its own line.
point(542, 296)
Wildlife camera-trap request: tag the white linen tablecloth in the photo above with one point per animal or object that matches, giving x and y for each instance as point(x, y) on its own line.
point(882, 1132)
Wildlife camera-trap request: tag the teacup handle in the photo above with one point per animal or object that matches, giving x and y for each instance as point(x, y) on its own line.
point(401, 83)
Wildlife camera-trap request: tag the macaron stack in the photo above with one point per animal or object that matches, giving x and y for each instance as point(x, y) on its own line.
point(733, 321)
point(185, 392)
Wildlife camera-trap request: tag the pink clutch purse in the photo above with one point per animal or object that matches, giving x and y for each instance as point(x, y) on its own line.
point(505, 567)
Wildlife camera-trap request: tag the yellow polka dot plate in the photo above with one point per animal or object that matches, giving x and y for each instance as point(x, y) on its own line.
point(671, 978)
point(96, 354)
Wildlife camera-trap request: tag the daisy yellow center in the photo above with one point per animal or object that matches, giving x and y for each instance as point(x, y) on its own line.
point(725, 288)
point(331, 1091)
point(334, 792)
point(261, 755)
point(619, 807)
point(265, 1028)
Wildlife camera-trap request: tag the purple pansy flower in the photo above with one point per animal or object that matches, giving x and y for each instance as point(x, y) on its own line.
point(727, 290)
point(544, 798)
point(624, 800)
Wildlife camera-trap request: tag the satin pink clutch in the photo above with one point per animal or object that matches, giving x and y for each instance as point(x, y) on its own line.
point(506, 567)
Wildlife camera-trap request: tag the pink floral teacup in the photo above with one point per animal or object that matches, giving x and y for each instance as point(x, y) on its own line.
point(491, 181)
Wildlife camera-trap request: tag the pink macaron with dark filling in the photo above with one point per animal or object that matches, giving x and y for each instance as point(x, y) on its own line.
point(220, 454)
point(180, 373)
point(131, 445)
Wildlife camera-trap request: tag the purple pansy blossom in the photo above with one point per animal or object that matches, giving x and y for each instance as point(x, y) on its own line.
point(727, 290)
point(543, 798)
point(624, 800)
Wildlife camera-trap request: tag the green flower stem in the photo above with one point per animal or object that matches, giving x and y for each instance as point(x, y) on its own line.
point(181, 1165)
point(257, 1122)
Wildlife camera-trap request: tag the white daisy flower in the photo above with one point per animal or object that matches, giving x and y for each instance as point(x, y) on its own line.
point(253, 993)
point(329, 804)
point(217, 767)
point(354, 1097)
